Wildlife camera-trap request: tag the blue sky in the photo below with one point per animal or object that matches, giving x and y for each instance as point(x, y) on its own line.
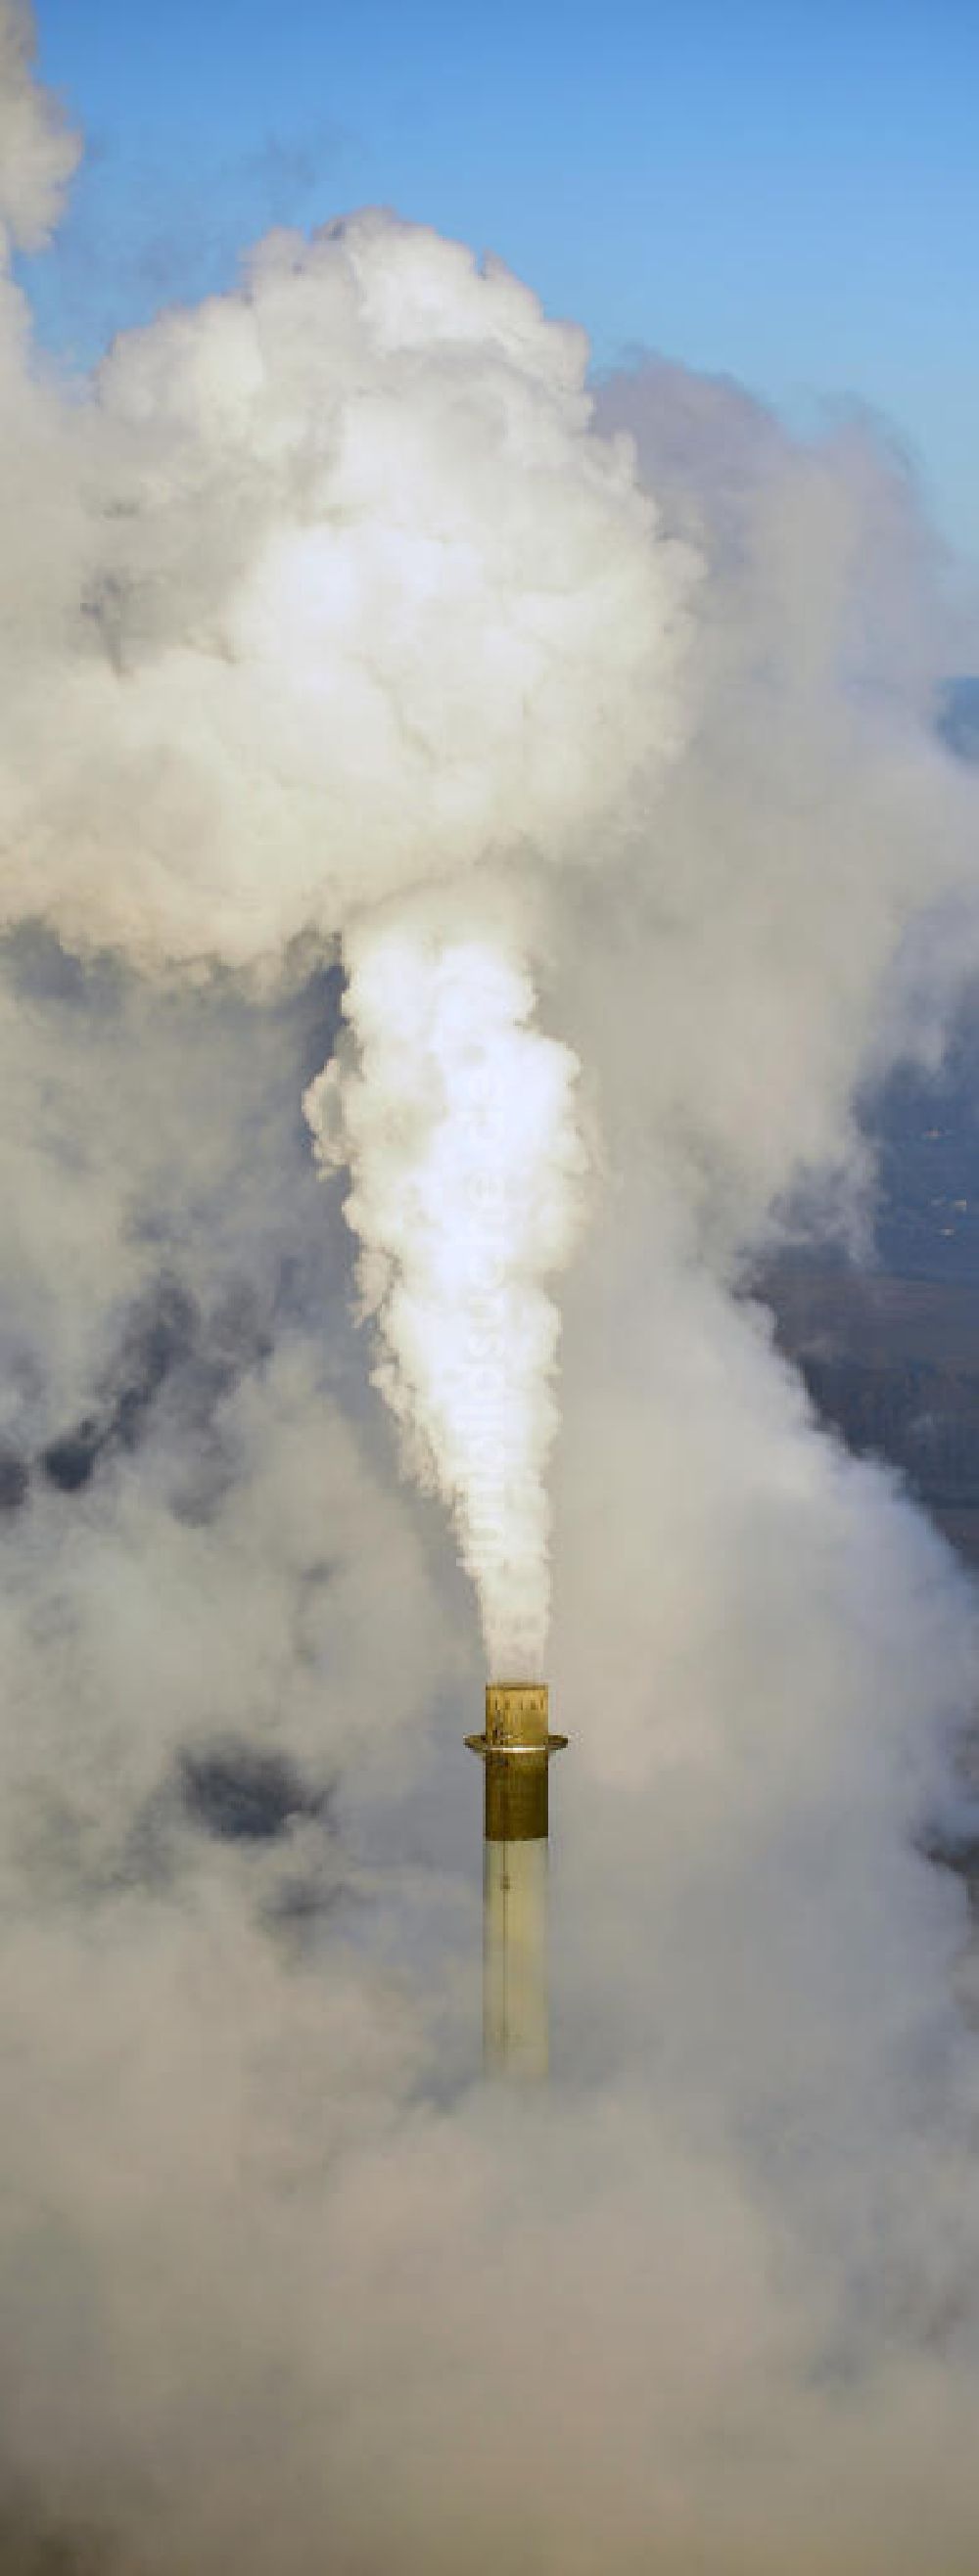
point(782, 190)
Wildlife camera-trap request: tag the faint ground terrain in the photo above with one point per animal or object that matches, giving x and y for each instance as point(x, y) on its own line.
point(890, 1354)
point(893, 1364)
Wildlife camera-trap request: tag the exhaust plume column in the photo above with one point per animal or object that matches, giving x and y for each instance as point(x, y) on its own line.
point(515, 1750)
point(455, 1116)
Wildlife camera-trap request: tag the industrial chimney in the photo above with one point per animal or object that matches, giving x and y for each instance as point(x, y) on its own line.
point(515, 1751)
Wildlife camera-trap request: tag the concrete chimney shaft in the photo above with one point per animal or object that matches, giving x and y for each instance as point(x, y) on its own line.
point(515, 1750)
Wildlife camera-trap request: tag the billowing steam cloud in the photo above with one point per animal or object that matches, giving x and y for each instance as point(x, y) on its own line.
point(458, 1125)
point(346, 597)
point(359, 603)
point(337, 625)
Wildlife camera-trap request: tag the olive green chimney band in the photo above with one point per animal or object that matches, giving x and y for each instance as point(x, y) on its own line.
point(516, 1750)
point(515, 1798)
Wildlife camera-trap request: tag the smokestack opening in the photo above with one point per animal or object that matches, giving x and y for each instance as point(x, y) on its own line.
point(516, 1750)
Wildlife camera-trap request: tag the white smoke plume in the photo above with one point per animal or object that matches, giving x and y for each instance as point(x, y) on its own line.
point(457, 1122)
point(329, 619)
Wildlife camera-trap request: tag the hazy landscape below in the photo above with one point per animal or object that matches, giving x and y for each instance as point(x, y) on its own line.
point(889, 1349)
point(473, 863)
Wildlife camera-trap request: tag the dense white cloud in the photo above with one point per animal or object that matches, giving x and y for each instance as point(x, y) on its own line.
point(340, 595)
point(329, 615)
